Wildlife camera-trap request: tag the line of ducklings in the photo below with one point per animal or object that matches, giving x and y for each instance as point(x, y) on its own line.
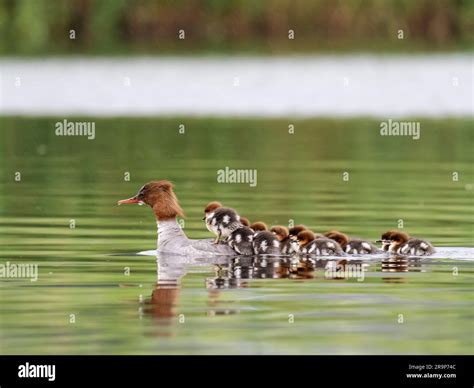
point(255, 239)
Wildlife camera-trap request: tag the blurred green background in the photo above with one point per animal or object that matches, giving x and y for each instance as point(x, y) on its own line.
point(152, 27)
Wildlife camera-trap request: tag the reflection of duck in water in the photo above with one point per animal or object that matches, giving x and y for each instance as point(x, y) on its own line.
point(352, 245)
point(159, 195)
point(400, 264)
point(163, 305)
point(395, 241)
point(243, 268)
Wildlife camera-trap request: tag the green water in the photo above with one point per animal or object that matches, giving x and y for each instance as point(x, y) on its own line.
point(84, 270)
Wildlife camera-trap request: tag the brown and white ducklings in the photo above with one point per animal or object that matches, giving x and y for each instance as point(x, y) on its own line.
point(395, 241)
point(282, 234)
point(352, 245)
point(221, 221)
point(308, 243)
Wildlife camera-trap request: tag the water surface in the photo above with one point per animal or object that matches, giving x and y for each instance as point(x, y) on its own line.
point(124, 303)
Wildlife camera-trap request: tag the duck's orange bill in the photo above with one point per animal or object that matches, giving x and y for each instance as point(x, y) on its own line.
point(129, 200)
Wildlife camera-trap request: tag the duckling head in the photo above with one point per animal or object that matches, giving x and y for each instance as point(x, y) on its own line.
point(293, 232)
point(304, 237)
point(397, 238)
point(281, 232)
point(259, 226)
point(337, 236)
point(244, 221)
point(211, 206)
point(392, 239)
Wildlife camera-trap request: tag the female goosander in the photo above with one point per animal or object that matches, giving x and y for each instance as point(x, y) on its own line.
point(352, 246)
point(282, 234)
point(159, 195)
point(221, 221)
point(395, 241)
point(308, 243)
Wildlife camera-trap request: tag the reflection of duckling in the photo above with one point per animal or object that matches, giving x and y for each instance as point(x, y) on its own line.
point(281, 233)
point(220, 220)
point(352, 246)
point(395, 241)
point(258, 226)
point(307, 243)
point(240, 240)
point(275, 268)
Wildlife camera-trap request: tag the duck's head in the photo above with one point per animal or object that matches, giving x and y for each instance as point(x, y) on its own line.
point(337, 236)
point(258, 226)
point(392, 239)
point(293, 232)
point(281, 232)
point(159, 195)
point(245, 221)
point(211, 206)
point(305, 237)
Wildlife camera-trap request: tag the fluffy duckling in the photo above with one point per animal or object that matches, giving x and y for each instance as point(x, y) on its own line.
point(395, 241)
point(352, 245)
point(308, 243)
point(209, 212)
point(265, 243)
point(245, 221)
point(293, 232)
point(241, 239)
point(282, 234)
point(221, 221)
point(385, 240)
point(259, 226)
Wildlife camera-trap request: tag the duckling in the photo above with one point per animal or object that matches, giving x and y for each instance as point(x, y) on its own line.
point(244, 221)
point(265, 243)
point(221, 221)
point(403, 244)
point(259, 226)
point(308, 243)
point(282, 234)
point(293, 232)
point(385, 240)
point(352, 246)
point(240, 240)
point(209, 212)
